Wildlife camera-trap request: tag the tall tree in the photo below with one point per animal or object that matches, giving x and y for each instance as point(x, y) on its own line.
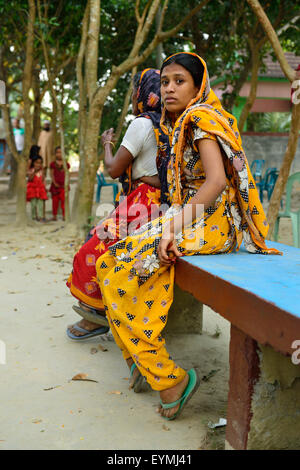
point(295, 122)
point(26, 86)
point(97, 94)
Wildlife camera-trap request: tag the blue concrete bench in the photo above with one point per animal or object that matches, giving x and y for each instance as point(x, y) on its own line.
point(260, 296)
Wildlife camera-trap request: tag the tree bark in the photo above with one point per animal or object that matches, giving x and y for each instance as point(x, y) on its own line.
point(284, 172)
point(21, 216)
point(255, 60)
point(37, 105)
point(291, 75)
point(273, 38)
point(82, 105)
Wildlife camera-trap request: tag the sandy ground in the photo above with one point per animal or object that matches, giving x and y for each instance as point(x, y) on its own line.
point(41, 407)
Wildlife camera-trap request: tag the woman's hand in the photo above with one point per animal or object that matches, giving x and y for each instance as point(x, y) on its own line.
point(167, 249)
point(108, 136)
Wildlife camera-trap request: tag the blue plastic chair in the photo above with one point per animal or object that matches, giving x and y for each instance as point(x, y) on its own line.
point(295, 216)
point(256, 170)
point(268, 182)
point(101, 182)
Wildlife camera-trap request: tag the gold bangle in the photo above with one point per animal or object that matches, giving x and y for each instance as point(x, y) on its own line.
point(109, 142)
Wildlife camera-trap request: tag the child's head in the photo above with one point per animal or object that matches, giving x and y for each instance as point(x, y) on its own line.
point(37, 164)
point(58, 157)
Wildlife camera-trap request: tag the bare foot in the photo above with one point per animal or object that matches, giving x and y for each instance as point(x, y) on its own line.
point(170, 395)
point(87, 325)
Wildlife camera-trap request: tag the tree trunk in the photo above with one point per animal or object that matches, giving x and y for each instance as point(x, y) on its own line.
point(274, 205)
point(37, 105)
point(86, 190)
point(54, 118)
point(12, 185)
point(82, 106)
point(230, 98)
point(21, 216)
point(273, 38)
point(255, 60)
point(159, 47)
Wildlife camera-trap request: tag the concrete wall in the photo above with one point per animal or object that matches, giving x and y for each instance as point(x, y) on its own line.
point(271, 148)
point(275, 424)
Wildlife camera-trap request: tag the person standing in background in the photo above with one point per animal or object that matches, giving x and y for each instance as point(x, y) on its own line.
point(45, 143)
point(57, 188)
point(18, 135)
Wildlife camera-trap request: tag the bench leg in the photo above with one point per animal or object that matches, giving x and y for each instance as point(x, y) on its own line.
point(185, 314)
point(264, 397)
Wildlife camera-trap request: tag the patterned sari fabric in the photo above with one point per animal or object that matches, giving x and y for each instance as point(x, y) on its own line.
point(82, 281)
point(130, 214)
point(137, 290)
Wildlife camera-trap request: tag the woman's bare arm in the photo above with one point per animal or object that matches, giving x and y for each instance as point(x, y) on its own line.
point(206, 195)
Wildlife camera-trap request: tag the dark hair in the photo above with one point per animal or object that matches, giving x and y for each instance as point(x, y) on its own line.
point(136, 80)
point(56, 148)
point(35, 160)
point(190, 62)
point(34, 152)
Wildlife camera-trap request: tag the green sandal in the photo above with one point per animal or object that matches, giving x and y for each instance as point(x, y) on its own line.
point(137, 385)
point(191, 388)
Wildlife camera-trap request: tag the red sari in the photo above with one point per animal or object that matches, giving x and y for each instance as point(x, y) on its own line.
point(36, 188)
point(82, 281)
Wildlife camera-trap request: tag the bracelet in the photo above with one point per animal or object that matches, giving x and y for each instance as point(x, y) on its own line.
point(109, 142)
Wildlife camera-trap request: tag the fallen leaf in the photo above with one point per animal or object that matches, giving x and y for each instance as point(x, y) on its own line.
point(83, 377)
point(101, 348)
point(93, 350)
point(58, 316)
point(165, 428)
point(115, 392)
point(36, 421)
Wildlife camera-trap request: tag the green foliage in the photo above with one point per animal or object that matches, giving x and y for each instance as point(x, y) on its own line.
point(269, 122)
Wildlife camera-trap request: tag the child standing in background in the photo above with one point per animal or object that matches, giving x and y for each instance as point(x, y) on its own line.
point(36, 190)
point(57, 188)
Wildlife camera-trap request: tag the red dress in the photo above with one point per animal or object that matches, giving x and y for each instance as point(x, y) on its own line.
point(36, 188)
point(82, 281)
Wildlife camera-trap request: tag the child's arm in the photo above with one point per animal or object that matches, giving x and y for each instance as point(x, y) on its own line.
point(31, 174)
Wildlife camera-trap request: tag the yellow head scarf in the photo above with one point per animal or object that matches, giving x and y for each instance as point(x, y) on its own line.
point(206, 111)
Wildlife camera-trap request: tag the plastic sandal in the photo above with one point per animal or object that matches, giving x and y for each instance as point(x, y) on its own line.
point(191, 388)
point(88, 334)
point(93, 315)
point(137, 385)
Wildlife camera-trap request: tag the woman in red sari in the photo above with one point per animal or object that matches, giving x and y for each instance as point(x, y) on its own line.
point(140, 163)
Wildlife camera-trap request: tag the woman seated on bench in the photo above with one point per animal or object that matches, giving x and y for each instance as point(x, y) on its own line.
point(214, 206)
point(142, 174)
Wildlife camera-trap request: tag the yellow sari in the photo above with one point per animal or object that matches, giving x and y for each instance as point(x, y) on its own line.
point(137, 290)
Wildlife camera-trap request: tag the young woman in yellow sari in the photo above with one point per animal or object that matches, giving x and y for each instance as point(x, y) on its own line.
point(214, 207)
